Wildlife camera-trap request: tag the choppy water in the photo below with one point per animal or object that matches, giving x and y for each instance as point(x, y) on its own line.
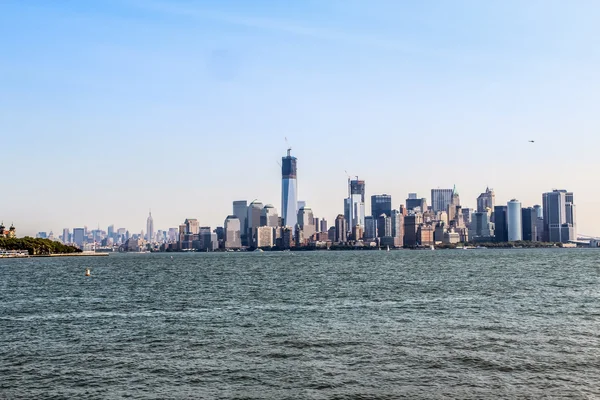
point(324, 325)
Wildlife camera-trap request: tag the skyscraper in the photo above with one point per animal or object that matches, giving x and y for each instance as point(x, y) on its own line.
point(485, 200)
point(529, 221)
point(289, 190)
point(356, 203)
point(66, 236)
point(500, 224)
point(341, 229)
point(441, 199)
point(253, 218)
point(381, 204)
point(412, 202)
point(232, 232)
point(79, 237)
point(514, 221)
point(150, 227)
point(370, 227)
point(269, 217)
point(305, 221)
point(240, 210)
point(384, 226)
point(559, 216)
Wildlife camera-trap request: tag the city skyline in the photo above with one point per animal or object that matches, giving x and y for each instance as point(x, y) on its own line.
point(408, 96)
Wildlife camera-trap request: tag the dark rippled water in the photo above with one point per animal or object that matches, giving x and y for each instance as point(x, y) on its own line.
point(325, 325)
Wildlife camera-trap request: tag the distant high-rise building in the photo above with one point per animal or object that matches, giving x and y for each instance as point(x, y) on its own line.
point(398, 227)
point(111, 231)
point(324, 227)
point(240, 210)
point(192, 226)
point(150, 227)
point(289, 190)
point(500, 224)
point(539, 213)
point(559, 216)
point(384, 226)
point(481, 228)
point(513, 221)
point(413, 203)
point(467, 215)
point(370, 231)
point(306, 221)
point(381, 204)
point(232, 228)
point(486, 200)
point(66, 236)
point(529, 221)
point(79, 237)
point(301, 203)
point(356, 203)
point(341, 229)
point(454, 214)
point(264, 237)
point(253, 220)
point(269, 216)
point(41, 235)
point(411, 224)
point(441, 199)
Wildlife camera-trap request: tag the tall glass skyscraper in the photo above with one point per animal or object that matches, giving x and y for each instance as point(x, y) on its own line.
point(289, 190)
point(150, 227)
point(355, 204)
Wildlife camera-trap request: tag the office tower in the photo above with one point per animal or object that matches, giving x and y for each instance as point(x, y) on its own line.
point(192, 226)
point(220, 232)
point(354, 209)
point(79, 237)
point(538, 211)
point(111, 231)
point(204, 238)
point(411, 224)
point(306, 221)
point(66, 236)
point(500, 224)
point(324, 226)
point(559, 216)
point(232, 228)
point(331, 234)
point(467, 215)
point(41, 235)
point(416, 204)
point(269, 217)
point(384, 226)
point(341, 229)
point(529, 221)
point(481, 228)
point(425, 235)
point(253, 220)
point(240, 210)
point(441, 199)
point(370, 227)
point(317, 224)
point(301, 203)
point(454, 216)
point(381, 204)
point(486, 200)
point(398, 227)
point(513, 221)
point(264, 237)
point(150, 227)
point(289, 190)
point(172, 235)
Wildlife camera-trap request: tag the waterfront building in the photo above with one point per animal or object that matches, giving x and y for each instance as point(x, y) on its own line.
point(253, 220)
point(539, 213)
point(324, 226)
point(354, 209)
point(357, 232)
point(500, 224)
point(331, 234)
point(451, 237)
point(150, 227)
point(454, 210)
point(381, 204)
point(481, 229)
point(232, 228)
point(529, 222)
point(289, 190)
point(411, 224)
point(306, 221)
point(269, 216)
point(240, 210)
point(370, 227)
point(467, 216)
point(79, 237)
point(559, 216)
point(425, 235)
point(486, 200)
point(397, 228)
point(341, 229)
point(439, 231)
point(384, 226)
point(514, 221)
point(441, 199)
point(264, 237)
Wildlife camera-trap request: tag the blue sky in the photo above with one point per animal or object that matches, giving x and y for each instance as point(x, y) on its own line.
point(109, 108)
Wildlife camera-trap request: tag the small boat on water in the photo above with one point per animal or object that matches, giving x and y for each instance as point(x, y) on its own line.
point(388, 248)
point(88, 272)
point(432, 247)
point(258, 250)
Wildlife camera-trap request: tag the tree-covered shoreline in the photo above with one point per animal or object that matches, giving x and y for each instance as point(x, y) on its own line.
point(37, 246)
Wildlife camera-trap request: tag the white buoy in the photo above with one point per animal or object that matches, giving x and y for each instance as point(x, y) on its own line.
point(88, 272)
